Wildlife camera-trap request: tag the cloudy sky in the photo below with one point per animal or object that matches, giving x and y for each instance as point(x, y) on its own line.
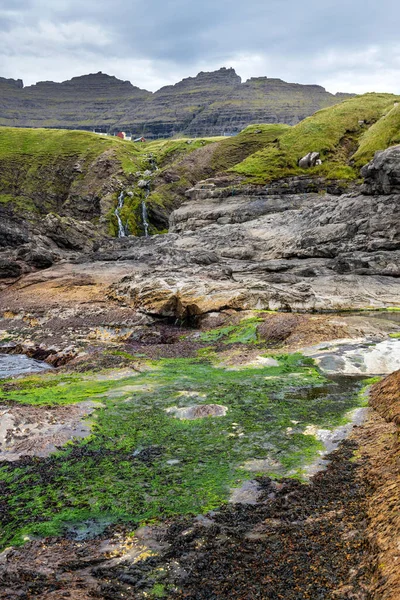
point(344, 45)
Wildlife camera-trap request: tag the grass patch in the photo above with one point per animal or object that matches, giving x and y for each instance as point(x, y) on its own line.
point(235, 149)
point(381, 135)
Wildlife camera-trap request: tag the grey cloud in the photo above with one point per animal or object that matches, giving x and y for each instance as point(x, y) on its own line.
point(182, 34)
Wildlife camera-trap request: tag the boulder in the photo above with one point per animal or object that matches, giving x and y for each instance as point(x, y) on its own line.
point(382, 174)
point(39, 258)
point(198, 411)
point(69, 233)
point(9, 268)
point(312, 159)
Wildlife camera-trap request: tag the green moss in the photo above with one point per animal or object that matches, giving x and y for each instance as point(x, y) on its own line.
point(142, 464)
point(243, 333)
point(158, 591)
point(53, 390)
point(395, 335)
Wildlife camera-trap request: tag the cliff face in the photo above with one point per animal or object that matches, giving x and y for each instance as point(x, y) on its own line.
point(208, 104)
point(81, 103)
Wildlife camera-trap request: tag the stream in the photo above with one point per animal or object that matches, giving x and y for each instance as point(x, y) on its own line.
point(145, 216)
point(121, 228)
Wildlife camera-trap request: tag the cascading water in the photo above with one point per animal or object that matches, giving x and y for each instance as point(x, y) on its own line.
point(121, 228)
point(145, 216)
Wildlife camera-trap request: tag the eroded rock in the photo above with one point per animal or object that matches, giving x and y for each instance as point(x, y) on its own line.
point(198, 411)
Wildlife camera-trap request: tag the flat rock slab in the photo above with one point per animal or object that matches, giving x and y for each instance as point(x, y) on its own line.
point(198, 411)
point(114, 375)
point(37, 431)
point(248, 493)
point(358, 358)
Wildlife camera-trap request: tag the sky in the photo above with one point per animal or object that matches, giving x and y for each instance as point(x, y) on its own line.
point(344, 45)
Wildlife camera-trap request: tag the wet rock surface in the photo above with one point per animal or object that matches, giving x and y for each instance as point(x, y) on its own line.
point(275, 539)
point(200, 411)
point(34, 431)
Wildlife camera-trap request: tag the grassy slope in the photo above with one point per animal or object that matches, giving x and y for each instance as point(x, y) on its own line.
point(37, 166)
point(38, 174)
point(206, 162)
point(336, 132)
point(381, 135)
point(51, 145)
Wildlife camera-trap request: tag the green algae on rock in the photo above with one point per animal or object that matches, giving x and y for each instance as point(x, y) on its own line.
point(142, 464)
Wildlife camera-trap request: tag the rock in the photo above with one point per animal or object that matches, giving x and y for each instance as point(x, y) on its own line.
point(382, 174)
point(311, 159)
point(358, 358)
point(290, 252)
point(143, 183)
point(249, 493)
point(39, 258)
point(68, 233)
point(9, 269)
point(199, 411)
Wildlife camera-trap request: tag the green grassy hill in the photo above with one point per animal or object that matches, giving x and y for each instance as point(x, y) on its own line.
point(347, 135)
point(79, 174)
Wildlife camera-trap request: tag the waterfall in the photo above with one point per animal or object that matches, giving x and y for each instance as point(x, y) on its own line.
point(145, 217)
point(121, 228)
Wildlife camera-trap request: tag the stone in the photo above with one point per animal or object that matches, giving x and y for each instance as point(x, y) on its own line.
point(9, 269)
point(311, 159)
point(197, 411)
point(359, 358)
point(39, 258)
point(382, 174)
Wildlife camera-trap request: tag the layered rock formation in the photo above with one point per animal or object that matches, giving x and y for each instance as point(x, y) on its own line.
point(208, 104)
point(292, 252)
point(245, 248)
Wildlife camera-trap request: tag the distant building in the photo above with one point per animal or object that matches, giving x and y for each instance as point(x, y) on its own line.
point(121, 135)
point(99, 132)
point(140, 139)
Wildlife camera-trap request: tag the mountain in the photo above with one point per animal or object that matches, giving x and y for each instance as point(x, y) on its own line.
point(210, 104)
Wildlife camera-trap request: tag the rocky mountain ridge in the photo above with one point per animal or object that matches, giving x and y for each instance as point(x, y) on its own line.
point(215, 103)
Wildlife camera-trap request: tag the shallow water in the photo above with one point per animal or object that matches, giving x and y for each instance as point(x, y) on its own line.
point(19, 364)
point(393, 316)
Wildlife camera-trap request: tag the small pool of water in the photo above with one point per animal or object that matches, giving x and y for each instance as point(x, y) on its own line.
point(19, 364)
point(385, 315)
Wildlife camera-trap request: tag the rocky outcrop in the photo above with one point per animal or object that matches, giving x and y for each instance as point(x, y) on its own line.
point(382, 174)
point(208, 104)
point(243, 248)
point(256, 250)
point(312, 159)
